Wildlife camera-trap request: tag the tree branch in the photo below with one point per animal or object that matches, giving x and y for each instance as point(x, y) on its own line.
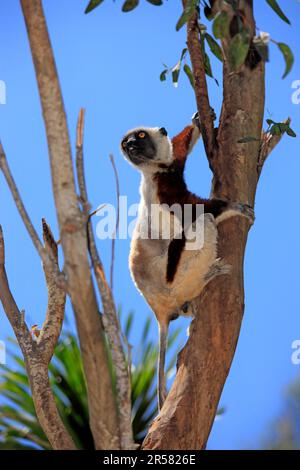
point(201, 92)
point(102, 406)
point(110, 316)
point(268, 143)
point(36, 365)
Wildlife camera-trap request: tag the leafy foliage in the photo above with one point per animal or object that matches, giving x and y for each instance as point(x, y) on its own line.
point(19, 427)
point(279, 128)
point(128, 5)
point(188, 11)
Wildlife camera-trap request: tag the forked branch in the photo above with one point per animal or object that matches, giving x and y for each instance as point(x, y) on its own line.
point(37, 355)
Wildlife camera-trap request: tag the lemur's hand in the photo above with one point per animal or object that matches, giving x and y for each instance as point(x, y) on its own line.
point(196, 117)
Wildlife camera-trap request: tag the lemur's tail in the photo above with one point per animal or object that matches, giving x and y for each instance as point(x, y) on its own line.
point(161, 378)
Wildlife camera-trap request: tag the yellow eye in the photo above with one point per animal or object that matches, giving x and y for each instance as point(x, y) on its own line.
point(123, 144)
point(142, 135)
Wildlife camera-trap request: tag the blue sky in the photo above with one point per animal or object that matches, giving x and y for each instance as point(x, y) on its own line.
point(109, 62)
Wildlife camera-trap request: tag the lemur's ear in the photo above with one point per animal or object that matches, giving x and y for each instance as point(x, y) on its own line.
point(184, 142)
point(163, 131)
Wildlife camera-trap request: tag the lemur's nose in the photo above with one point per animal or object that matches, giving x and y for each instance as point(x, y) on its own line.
point(131, 142)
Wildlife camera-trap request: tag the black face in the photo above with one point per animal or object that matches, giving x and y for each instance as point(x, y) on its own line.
point(139, 147)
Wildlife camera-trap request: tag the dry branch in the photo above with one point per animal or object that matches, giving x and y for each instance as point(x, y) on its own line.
point(37, 356)
point(110, 316)
point(47, 257)
point(73, 236)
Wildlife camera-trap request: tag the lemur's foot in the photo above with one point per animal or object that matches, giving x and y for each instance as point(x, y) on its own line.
point(244, 209)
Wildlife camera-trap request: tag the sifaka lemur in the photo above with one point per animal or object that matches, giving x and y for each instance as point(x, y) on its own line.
point(165, 270)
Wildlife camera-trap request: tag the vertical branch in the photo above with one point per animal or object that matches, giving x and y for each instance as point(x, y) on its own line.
point(102, 406)
point(110, 316)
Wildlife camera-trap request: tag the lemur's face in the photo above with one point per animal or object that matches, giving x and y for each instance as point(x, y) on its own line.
point(147, 147)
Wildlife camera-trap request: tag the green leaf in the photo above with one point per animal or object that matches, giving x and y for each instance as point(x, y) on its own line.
point(262, 48)
point(187, 13)
point(275, 129)
point(188, 71)
point(175, 73)
point(290, 132)
point(208, 10)
point(238, 50)
point(248, 138)
point(288, 57)
point(270, 122)
point(274, 5)
point(129, 5)
point(163, 75)
point(207, 66)
point(214, 46)
point(221, 25)
point(155, 2)
point(93, 4)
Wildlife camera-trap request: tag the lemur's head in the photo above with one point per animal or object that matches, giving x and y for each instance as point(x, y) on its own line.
point(147, 147)
point(150, 149)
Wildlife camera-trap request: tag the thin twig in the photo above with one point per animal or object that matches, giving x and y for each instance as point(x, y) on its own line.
point(110, 316)
point(46, 256)
point(113, 241)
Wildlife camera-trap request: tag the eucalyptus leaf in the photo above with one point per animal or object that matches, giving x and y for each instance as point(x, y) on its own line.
point(288, 57)
point(248, 138)
point(221, 25)
point(290, 132)
point(155, 2)
point(189, 9)
point(129, 5)
point(274, 5)
point(93, 4)
point(163, 75)
point(262, 49)
point(238, 50)
point(214, 46)
point(188, 71)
